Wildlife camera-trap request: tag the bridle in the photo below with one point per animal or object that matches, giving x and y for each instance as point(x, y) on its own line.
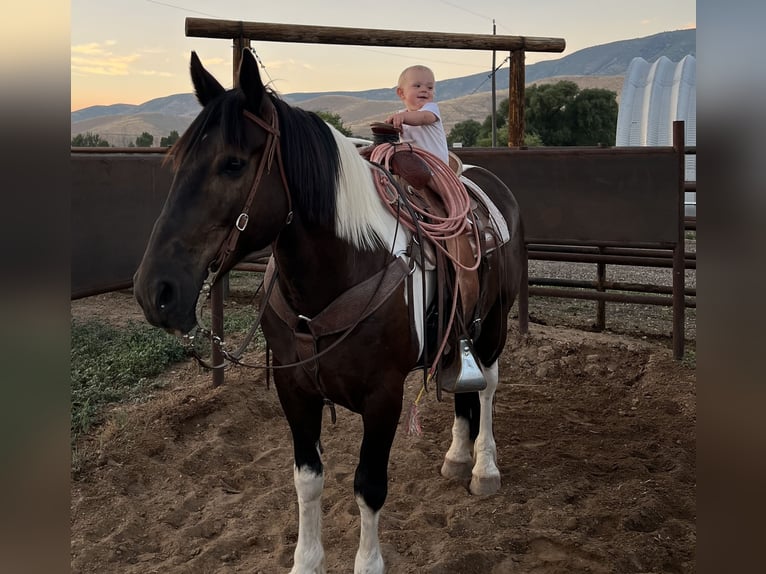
point(271, 149)
point(229, 244)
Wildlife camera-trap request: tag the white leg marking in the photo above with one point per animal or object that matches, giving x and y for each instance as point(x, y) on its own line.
point(309, 554)
point(486, 476)
point(458, 460)
point(368, 558)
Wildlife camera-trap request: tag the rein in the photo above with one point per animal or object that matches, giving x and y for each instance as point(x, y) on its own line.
point(387, 279)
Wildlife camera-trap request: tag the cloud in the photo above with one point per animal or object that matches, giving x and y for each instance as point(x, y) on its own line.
point(98, 59)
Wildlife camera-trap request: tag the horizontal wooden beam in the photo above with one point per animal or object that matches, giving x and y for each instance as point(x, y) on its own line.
point(261, 31)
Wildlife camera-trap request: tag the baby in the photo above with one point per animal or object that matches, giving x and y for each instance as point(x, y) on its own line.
point(420, 121)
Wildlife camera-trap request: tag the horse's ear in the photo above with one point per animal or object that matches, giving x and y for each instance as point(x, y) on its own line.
point(206, 87)
point(250, 81)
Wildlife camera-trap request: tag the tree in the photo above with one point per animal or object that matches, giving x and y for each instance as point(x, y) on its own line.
point(335, 121)
point(89, 139)
point(594, 117)
point(548, 112)
point(562, 115)
point(145, 140)
point(464, 132)
point(170, 139)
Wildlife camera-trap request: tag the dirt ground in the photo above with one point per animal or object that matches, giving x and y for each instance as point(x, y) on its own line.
point(596, 446)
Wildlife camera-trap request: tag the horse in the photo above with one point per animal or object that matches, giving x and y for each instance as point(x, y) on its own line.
point(253, 172)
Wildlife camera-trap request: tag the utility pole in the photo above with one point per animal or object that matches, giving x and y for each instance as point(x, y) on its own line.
point(494, 95)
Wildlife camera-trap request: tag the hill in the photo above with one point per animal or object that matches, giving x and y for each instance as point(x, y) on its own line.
point(460, 99)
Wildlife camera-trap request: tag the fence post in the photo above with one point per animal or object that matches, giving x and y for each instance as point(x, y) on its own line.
point(679, 251)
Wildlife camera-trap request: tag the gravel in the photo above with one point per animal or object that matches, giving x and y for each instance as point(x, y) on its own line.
point(644, 321)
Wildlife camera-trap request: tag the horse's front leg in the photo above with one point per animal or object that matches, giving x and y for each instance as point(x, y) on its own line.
point(371, 480)
point(472, 452)
point(305, 420)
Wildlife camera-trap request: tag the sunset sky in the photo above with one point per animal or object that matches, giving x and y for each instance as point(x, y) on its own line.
point(131, 51)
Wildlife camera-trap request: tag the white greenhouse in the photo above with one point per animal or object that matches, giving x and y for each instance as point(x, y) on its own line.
point(653, 97)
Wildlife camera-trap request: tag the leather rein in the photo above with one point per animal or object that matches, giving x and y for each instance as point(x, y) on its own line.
point(388, 278)
point(271, 148)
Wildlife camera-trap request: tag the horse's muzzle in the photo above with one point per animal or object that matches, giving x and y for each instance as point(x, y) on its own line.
point(164, 303)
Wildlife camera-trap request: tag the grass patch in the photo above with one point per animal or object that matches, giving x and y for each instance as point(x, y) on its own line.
point(111, 364)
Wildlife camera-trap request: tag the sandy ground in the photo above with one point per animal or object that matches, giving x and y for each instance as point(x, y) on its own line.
point(596, 445)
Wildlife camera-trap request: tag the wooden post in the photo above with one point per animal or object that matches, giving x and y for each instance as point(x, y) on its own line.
point(679, 278)
point(600, 304)
point(516, 100)
point(524, 295)
point(221, 287)
point(216, 320)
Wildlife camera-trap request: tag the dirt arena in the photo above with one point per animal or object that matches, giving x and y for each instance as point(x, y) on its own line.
point(596, 446)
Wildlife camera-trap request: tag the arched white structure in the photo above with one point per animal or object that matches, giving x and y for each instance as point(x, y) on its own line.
point(654, 96)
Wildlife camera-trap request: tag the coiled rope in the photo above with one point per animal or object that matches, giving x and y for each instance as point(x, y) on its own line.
point(433, 227)
point(446, 185)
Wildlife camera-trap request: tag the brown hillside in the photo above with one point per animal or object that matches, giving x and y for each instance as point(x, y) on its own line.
point(356, 113)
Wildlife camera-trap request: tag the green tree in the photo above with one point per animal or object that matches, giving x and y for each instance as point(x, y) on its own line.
point(335, 121)
point(171, 138)
point(548, 112)
point(594, 117)
point(465, 132)
point(89, 139)
point(145, 140)
point(530, 140)
point(562, 115)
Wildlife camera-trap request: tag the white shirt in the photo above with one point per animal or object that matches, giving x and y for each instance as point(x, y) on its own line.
point(430, 137)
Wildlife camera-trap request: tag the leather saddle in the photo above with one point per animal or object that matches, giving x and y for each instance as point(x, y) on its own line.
point(458, 371)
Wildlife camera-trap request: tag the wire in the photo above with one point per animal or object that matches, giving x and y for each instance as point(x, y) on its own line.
point(459, 7)
point(492, 73)
point(182, 8)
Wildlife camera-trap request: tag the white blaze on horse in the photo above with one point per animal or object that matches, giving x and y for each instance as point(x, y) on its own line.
point(352, 311)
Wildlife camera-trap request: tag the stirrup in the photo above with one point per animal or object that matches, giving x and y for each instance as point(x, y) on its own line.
point(464, 374)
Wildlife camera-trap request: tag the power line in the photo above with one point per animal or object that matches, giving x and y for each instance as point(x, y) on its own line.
point(459, 7)
point(182, 8)
point(492, 73)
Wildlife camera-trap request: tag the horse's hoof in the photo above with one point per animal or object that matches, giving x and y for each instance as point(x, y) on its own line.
point(456, 470)
point(484, 485)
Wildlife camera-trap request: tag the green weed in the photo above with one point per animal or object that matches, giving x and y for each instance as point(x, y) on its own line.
point(111, 364)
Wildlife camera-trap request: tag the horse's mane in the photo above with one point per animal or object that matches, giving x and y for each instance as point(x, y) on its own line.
point(322, 168)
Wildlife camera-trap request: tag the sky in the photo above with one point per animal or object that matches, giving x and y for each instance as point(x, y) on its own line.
point(131, 51)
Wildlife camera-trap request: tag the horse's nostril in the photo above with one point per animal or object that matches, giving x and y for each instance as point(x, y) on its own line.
point(165, 295)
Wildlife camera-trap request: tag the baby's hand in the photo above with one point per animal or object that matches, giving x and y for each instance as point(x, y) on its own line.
point(396, 120)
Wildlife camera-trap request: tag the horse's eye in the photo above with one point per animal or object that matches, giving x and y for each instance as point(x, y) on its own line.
point(233, 166)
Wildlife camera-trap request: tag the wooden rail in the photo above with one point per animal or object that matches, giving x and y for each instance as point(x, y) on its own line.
point(242, 33)
point(301, 34)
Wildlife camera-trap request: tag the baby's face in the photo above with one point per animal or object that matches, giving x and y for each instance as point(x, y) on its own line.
point(417, 89)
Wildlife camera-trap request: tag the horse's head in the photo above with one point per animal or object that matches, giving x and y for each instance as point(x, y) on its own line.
point(225, 201)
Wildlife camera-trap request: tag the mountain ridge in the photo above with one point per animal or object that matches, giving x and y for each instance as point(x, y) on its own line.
point(467, 97)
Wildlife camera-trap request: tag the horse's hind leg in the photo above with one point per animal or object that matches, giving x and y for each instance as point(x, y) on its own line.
point(472, 452)
point(458, 461)
point(485, 477)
